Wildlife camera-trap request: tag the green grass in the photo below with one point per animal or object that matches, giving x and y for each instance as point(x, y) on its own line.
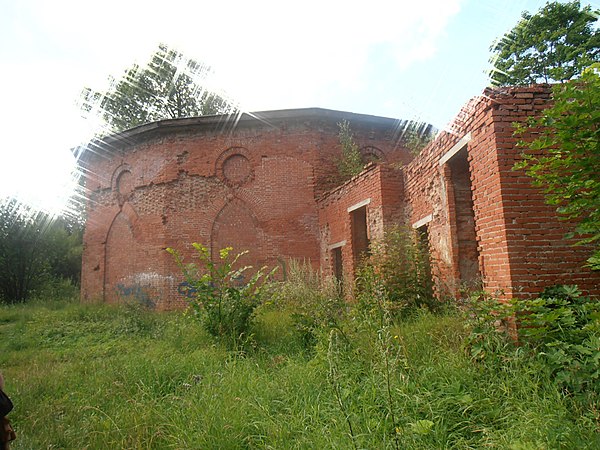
point(93, 376)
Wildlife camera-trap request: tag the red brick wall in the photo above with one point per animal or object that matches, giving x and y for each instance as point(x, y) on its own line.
point(539, 255)
point(383, 187)
point(520, 243)
point(252, 187)
point(255, 187)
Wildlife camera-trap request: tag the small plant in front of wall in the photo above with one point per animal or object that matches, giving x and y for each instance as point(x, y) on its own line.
point(397, 268)
point(219, 295)
point(351, 162)
point(559, 327)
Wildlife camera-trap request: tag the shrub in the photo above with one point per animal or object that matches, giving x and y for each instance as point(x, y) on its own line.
point(560, 327)
point(314, 302)
point(219, 295)
point(564, 329)
point(398, 271)
point(350, 162)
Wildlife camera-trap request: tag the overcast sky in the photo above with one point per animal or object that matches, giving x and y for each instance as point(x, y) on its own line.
point(404, 59)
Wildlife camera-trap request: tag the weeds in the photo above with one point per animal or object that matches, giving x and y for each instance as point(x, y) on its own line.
point(559, 331)
point(334, 380)
point(96, 381)
point(398, 269)
point(313, 302)
point(220, 296)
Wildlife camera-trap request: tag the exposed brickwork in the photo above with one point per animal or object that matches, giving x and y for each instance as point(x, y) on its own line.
point(538, 254)
point(381, 187)
point(252, 187)
point(520, 240)
point(270, 185)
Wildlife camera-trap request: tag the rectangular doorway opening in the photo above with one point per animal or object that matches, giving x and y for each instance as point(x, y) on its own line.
point(468, 254)
point(424, 260)
point(336, 263)
point(360, 235)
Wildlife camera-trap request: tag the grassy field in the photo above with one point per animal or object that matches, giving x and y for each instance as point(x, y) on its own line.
point(93, 376)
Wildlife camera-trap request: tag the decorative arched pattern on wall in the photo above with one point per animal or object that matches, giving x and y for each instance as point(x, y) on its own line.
point(120, 258)
point(122, 183)
point(236, 226)
point(235, 167)
point(372, 154)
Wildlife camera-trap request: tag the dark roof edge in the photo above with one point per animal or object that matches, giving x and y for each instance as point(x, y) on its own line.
point(229, 121)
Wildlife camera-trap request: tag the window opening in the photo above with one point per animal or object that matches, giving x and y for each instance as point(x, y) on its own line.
point(337, 263)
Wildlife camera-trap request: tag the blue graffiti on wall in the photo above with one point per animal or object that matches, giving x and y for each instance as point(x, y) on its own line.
point(185, 289)
point(137, 293)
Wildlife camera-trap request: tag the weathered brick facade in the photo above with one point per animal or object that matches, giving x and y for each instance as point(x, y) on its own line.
point(485, 223)
point(252, 186)
point(268, 183)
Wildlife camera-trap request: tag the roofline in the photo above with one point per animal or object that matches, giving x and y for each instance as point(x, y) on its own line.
point(228, 122)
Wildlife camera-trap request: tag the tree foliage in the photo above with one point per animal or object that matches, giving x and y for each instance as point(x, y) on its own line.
point(553, 45)
point(170, 86)
point(564, 159)
point(35, 251)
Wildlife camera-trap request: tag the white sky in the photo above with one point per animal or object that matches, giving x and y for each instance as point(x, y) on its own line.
point(403, 59)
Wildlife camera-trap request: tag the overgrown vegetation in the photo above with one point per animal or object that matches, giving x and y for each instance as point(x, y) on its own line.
point(220, 296)
point(39, 255)
point(560, 329)
point(564, 157)
point(314, 303)
point(350, 162)
point(397, 272)
point(414, 136)
point(122, 377)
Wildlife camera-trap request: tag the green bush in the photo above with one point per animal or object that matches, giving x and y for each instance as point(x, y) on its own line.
point(398, 272)
point(314, 302)
point(220, 296)
point(564, 329)
point(560, 327)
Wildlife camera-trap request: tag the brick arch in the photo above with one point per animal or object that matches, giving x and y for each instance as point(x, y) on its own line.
point(120, 257)
point(132, 216)
point(371, 153)
point(122, 183)
point(124, 167)
point(120, 250)
point(237, 226)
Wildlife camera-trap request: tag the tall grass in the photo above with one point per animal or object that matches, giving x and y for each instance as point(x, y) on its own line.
point(94, 376)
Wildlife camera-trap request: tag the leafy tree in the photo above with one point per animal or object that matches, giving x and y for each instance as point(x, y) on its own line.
point(553, 45)
point(35, 250)
point(169, 87)
point(564, 159)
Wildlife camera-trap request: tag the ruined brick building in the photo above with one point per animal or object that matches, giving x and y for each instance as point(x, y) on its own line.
point(267, 182)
